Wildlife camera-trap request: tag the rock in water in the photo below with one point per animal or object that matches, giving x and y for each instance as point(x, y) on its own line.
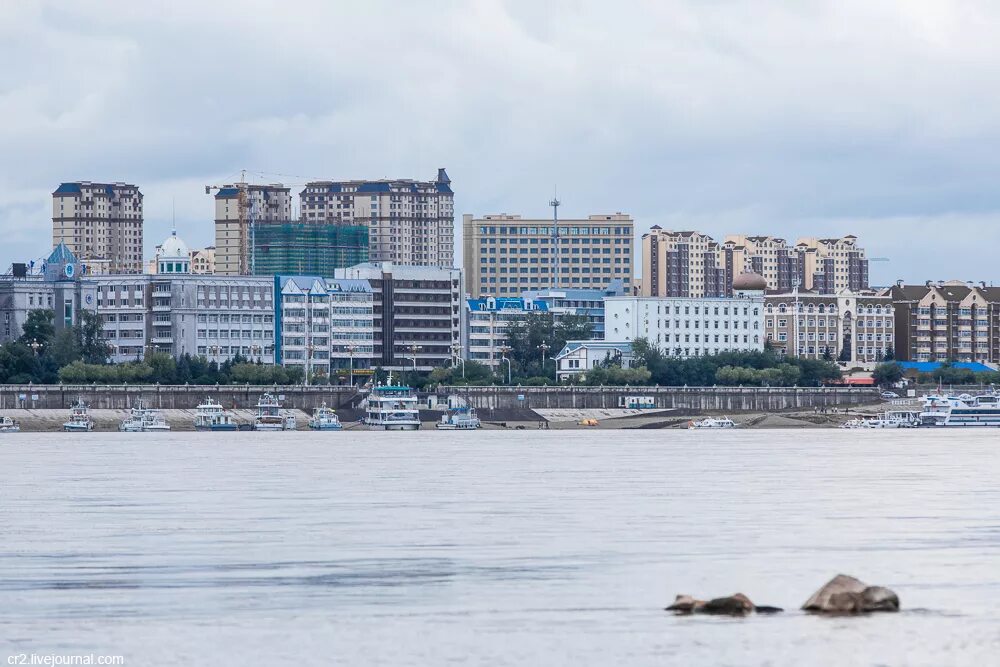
point(847, 595)
point(733, 605)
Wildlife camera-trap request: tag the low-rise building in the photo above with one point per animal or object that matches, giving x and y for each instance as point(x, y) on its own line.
point(847, 326)
point(588, 303)
point(488, 321)
point(580, 356)
point(691, 327)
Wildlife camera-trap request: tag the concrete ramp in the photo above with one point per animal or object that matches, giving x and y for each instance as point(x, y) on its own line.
point(577, 414)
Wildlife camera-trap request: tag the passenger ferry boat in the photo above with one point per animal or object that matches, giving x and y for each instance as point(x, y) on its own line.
point(9, 425)
point(325, 419)
point(79, 418)
point(392, 407)
point(459, 419)
point(211, 416)
point(963, 410)
point(713, 422)
point(270, 416)
point(142, 419)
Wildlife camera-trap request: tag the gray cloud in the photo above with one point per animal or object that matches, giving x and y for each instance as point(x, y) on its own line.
point(791, 118)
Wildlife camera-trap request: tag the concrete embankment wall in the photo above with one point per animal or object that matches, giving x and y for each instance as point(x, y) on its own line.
point(169, 397)
point(699, 399)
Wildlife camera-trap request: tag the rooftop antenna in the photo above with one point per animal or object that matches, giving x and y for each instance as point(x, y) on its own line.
point(554, 203)
point(173, 214)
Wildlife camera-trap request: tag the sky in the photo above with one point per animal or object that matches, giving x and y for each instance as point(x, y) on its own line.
point(797, 118)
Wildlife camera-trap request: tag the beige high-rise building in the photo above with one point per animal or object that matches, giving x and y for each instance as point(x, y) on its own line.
point(693, 264)
point(409, 222)
point(237, 208)
point(504, 255)
point(101, 223)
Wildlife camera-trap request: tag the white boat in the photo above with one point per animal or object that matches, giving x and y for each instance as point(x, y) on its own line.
point(270, 416)
point(960, 411)
point(390, 407)
point(856, 423)
point(211, 416)
point(892, 419)
point(79, 418)
point(459, 419)
point(713, 422)
point(9, 425)
point(325, 419)
point(143, 419)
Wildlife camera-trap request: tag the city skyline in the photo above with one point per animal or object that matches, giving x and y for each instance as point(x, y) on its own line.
point(703, 119)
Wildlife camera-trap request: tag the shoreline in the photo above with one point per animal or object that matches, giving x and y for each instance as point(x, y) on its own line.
point(182, 420)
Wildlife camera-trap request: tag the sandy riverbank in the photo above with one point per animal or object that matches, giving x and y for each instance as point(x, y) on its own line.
point(183, 420)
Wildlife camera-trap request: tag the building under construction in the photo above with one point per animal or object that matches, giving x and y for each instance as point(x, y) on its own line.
point(307, 248)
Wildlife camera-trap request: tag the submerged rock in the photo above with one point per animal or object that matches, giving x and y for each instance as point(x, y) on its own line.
point(733, 605)
point(847, 595)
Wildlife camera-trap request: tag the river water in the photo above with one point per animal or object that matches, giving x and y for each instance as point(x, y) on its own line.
point(495, 548)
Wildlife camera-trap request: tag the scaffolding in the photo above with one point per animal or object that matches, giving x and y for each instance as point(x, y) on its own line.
point(307, 248)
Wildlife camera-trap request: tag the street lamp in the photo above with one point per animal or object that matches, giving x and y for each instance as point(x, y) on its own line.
point(544, 347)
point(456, 350)
point(504, 351)
point(351, 347)
point(35, 345)
point(414, 348)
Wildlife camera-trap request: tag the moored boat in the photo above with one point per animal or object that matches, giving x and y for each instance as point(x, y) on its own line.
point(79, 418)
point(960, 411)
point(325, 419)
point(143, 419)
point(211, 416)
point(390, 407)
point(271, 417)
point(459, 419)
point(9, 425)
point(713, 422)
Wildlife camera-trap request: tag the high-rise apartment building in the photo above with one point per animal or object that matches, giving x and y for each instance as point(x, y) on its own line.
point(409, 222)
point(692, 264)
point(504, 255)
point(238, 208)
point(101, 224)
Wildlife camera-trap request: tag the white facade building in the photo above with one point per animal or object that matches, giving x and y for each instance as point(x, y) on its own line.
point(487, 323)
point(580, 356)
point(691, 327)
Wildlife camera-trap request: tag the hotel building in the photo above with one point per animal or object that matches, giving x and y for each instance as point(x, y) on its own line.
point(504, 255)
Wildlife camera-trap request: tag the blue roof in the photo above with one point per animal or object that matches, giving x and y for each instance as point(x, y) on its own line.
point(67, 188)
point(374, 187)
point(506, 303)
point(225, 193)
point(61, 255)
point(930, 366)
point(445, 188)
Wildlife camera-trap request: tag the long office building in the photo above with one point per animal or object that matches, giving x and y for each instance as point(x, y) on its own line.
point(948, 320)
point(239, 208)
point(504, 255)
point(101, 224)
point(848, 326)
point(307, 248)
point(409, 222)
point(692, 264)
point(417, 311)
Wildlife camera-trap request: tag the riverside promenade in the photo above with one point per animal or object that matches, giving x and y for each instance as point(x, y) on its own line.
point(187, 397)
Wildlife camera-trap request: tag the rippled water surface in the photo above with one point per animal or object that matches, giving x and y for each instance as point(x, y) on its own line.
point(495, 548)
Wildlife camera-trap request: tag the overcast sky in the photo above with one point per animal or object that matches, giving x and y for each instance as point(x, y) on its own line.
point(792, 118)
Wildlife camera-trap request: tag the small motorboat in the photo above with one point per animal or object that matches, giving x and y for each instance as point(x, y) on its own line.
point(459, 419)
point(211, 416)
point(270, 416)
point(79, 418)
point(713, 422)
point(325, 419)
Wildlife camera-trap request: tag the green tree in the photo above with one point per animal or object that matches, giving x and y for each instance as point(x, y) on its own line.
point(887, 373)
point(539, 333)
point(38, 329)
